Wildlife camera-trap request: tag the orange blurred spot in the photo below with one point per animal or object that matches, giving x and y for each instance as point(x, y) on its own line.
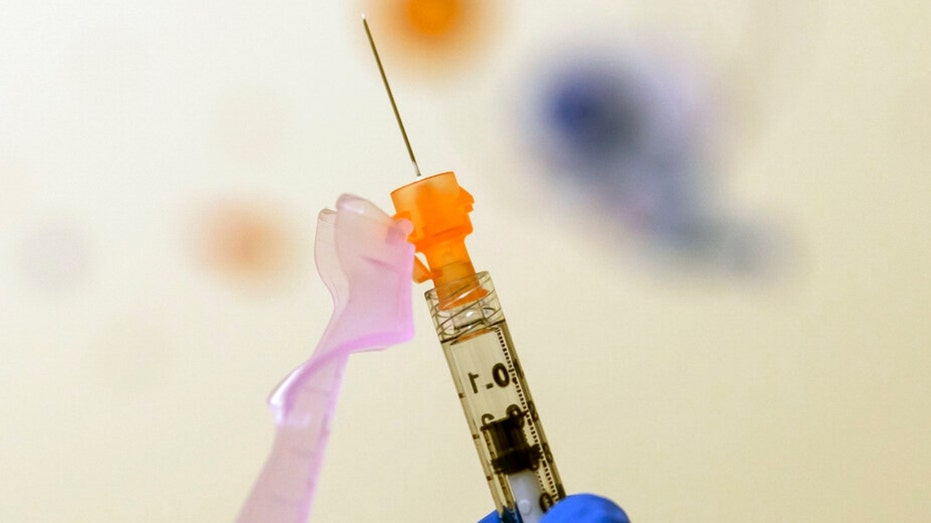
point(244, 241)
point(433, 18)
point(435, 37)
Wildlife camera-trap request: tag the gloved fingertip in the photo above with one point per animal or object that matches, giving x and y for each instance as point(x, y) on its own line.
point(491, 518)
point(586, 508)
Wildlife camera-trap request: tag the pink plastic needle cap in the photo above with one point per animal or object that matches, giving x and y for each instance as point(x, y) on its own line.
point(364, 259)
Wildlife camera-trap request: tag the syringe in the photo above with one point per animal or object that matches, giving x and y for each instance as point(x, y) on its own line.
point(473, 332)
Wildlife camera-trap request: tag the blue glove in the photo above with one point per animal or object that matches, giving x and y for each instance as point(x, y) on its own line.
point(578, 508)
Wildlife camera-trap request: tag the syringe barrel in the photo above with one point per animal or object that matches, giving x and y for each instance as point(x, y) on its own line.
point(498, 407)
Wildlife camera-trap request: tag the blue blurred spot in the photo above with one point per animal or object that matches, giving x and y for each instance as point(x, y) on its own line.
point(595, 116)
point(623, 132)
point(631, 132)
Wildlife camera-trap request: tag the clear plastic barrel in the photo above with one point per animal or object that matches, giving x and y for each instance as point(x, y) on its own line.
point(499, 409)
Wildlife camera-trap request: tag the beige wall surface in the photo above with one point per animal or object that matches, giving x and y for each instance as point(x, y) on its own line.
point(162, 165)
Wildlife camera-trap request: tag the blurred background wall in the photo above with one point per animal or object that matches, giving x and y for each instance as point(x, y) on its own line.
point(708, 224)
